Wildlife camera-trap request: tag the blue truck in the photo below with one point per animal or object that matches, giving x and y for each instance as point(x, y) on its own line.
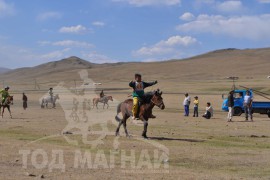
point(262, 107)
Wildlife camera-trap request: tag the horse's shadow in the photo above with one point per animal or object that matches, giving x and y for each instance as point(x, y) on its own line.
point(175, 139)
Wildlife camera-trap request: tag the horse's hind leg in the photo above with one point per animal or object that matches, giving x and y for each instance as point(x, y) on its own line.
point(125, 126)
point(145, 128)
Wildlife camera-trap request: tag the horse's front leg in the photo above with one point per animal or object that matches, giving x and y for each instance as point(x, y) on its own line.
point(3, 112)
point(125, 126)
point(103, 105)
point(118, 128)
point(107, 105)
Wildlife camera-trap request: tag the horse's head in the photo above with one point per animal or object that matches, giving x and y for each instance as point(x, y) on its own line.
point(157, 99)
point(57, 96)
point(110, 98)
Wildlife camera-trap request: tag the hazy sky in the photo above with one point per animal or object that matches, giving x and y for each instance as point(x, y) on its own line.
point(38, 31)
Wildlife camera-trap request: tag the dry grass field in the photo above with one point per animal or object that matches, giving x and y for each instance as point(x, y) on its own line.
point(33, 145)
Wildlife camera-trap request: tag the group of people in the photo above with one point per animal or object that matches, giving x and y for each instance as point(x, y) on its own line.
point(138, 87)
point(209, 109)
point(186, 103)
point(247, 106)
point(5, 93)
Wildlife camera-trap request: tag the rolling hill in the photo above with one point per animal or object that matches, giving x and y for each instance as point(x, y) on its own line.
point(215, 65)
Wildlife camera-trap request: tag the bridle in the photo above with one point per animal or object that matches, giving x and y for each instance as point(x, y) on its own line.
point(158, 105)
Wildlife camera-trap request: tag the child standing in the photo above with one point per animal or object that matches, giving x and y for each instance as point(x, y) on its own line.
point(196, 106)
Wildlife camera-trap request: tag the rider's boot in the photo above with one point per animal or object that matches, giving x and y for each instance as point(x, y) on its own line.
point(152, 116)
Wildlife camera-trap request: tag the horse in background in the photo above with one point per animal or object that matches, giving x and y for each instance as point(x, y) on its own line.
point(49, 99)
point(145, 111)
point(103, 100)
point(6, 104)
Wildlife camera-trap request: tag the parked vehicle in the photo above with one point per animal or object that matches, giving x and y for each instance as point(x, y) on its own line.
point(262, 107)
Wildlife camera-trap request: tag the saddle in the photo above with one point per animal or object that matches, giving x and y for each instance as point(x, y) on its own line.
point(144, 100)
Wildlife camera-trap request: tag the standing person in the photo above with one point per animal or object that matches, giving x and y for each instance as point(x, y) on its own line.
point(186, 104)
point(4, 93)
point(196, 106)
point(230, 106)
point(138, 92)
point(248, 106)
point(24, 98)
point(51, 93)
point(209, 111)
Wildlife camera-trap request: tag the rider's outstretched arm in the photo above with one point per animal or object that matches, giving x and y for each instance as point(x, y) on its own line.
point(147, 84)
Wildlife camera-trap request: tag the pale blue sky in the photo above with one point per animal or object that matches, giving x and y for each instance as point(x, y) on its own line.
point(38, 31)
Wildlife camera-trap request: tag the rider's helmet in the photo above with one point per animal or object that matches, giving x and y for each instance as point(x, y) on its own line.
point(6, 88)
point(51, 89)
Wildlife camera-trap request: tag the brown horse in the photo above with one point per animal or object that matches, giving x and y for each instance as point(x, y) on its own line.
point(103, 100)
point(6, 104)
point(145, 111)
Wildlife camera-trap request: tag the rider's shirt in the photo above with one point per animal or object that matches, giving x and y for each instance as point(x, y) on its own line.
point(50, 93)
point(138, 87)
point(4, 93)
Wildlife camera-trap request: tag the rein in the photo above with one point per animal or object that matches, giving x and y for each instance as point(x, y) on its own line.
point(158, 105)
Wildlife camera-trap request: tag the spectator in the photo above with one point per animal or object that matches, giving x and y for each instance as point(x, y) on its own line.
point(230, 105)
point(196, 106)
point(209, 111)
point(24, 98)
point(248, 106)
point(186, 104)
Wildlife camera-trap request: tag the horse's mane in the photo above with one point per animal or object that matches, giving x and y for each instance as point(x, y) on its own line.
point(148, 96)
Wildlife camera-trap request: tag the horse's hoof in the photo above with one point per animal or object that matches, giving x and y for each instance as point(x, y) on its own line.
point(145, 137)
point(128, 136)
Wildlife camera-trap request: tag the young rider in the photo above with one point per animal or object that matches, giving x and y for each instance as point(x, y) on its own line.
point(4, 93)
point(138, 92)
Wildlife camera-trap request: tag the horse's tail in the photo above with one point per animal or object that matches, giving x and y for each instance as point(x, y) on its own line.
point(42, 103)
point(94, 99)
point(118, 110)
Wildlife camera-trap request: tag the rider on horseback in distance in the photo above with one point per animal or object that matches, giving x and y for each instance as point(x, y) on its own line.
point(4, 93)
point(101, 94)
point(51, 94)
point(138, 93)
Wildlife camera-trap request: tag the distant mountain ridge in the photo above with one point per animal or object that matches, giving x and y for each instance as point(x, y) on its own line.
point(4, 70)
